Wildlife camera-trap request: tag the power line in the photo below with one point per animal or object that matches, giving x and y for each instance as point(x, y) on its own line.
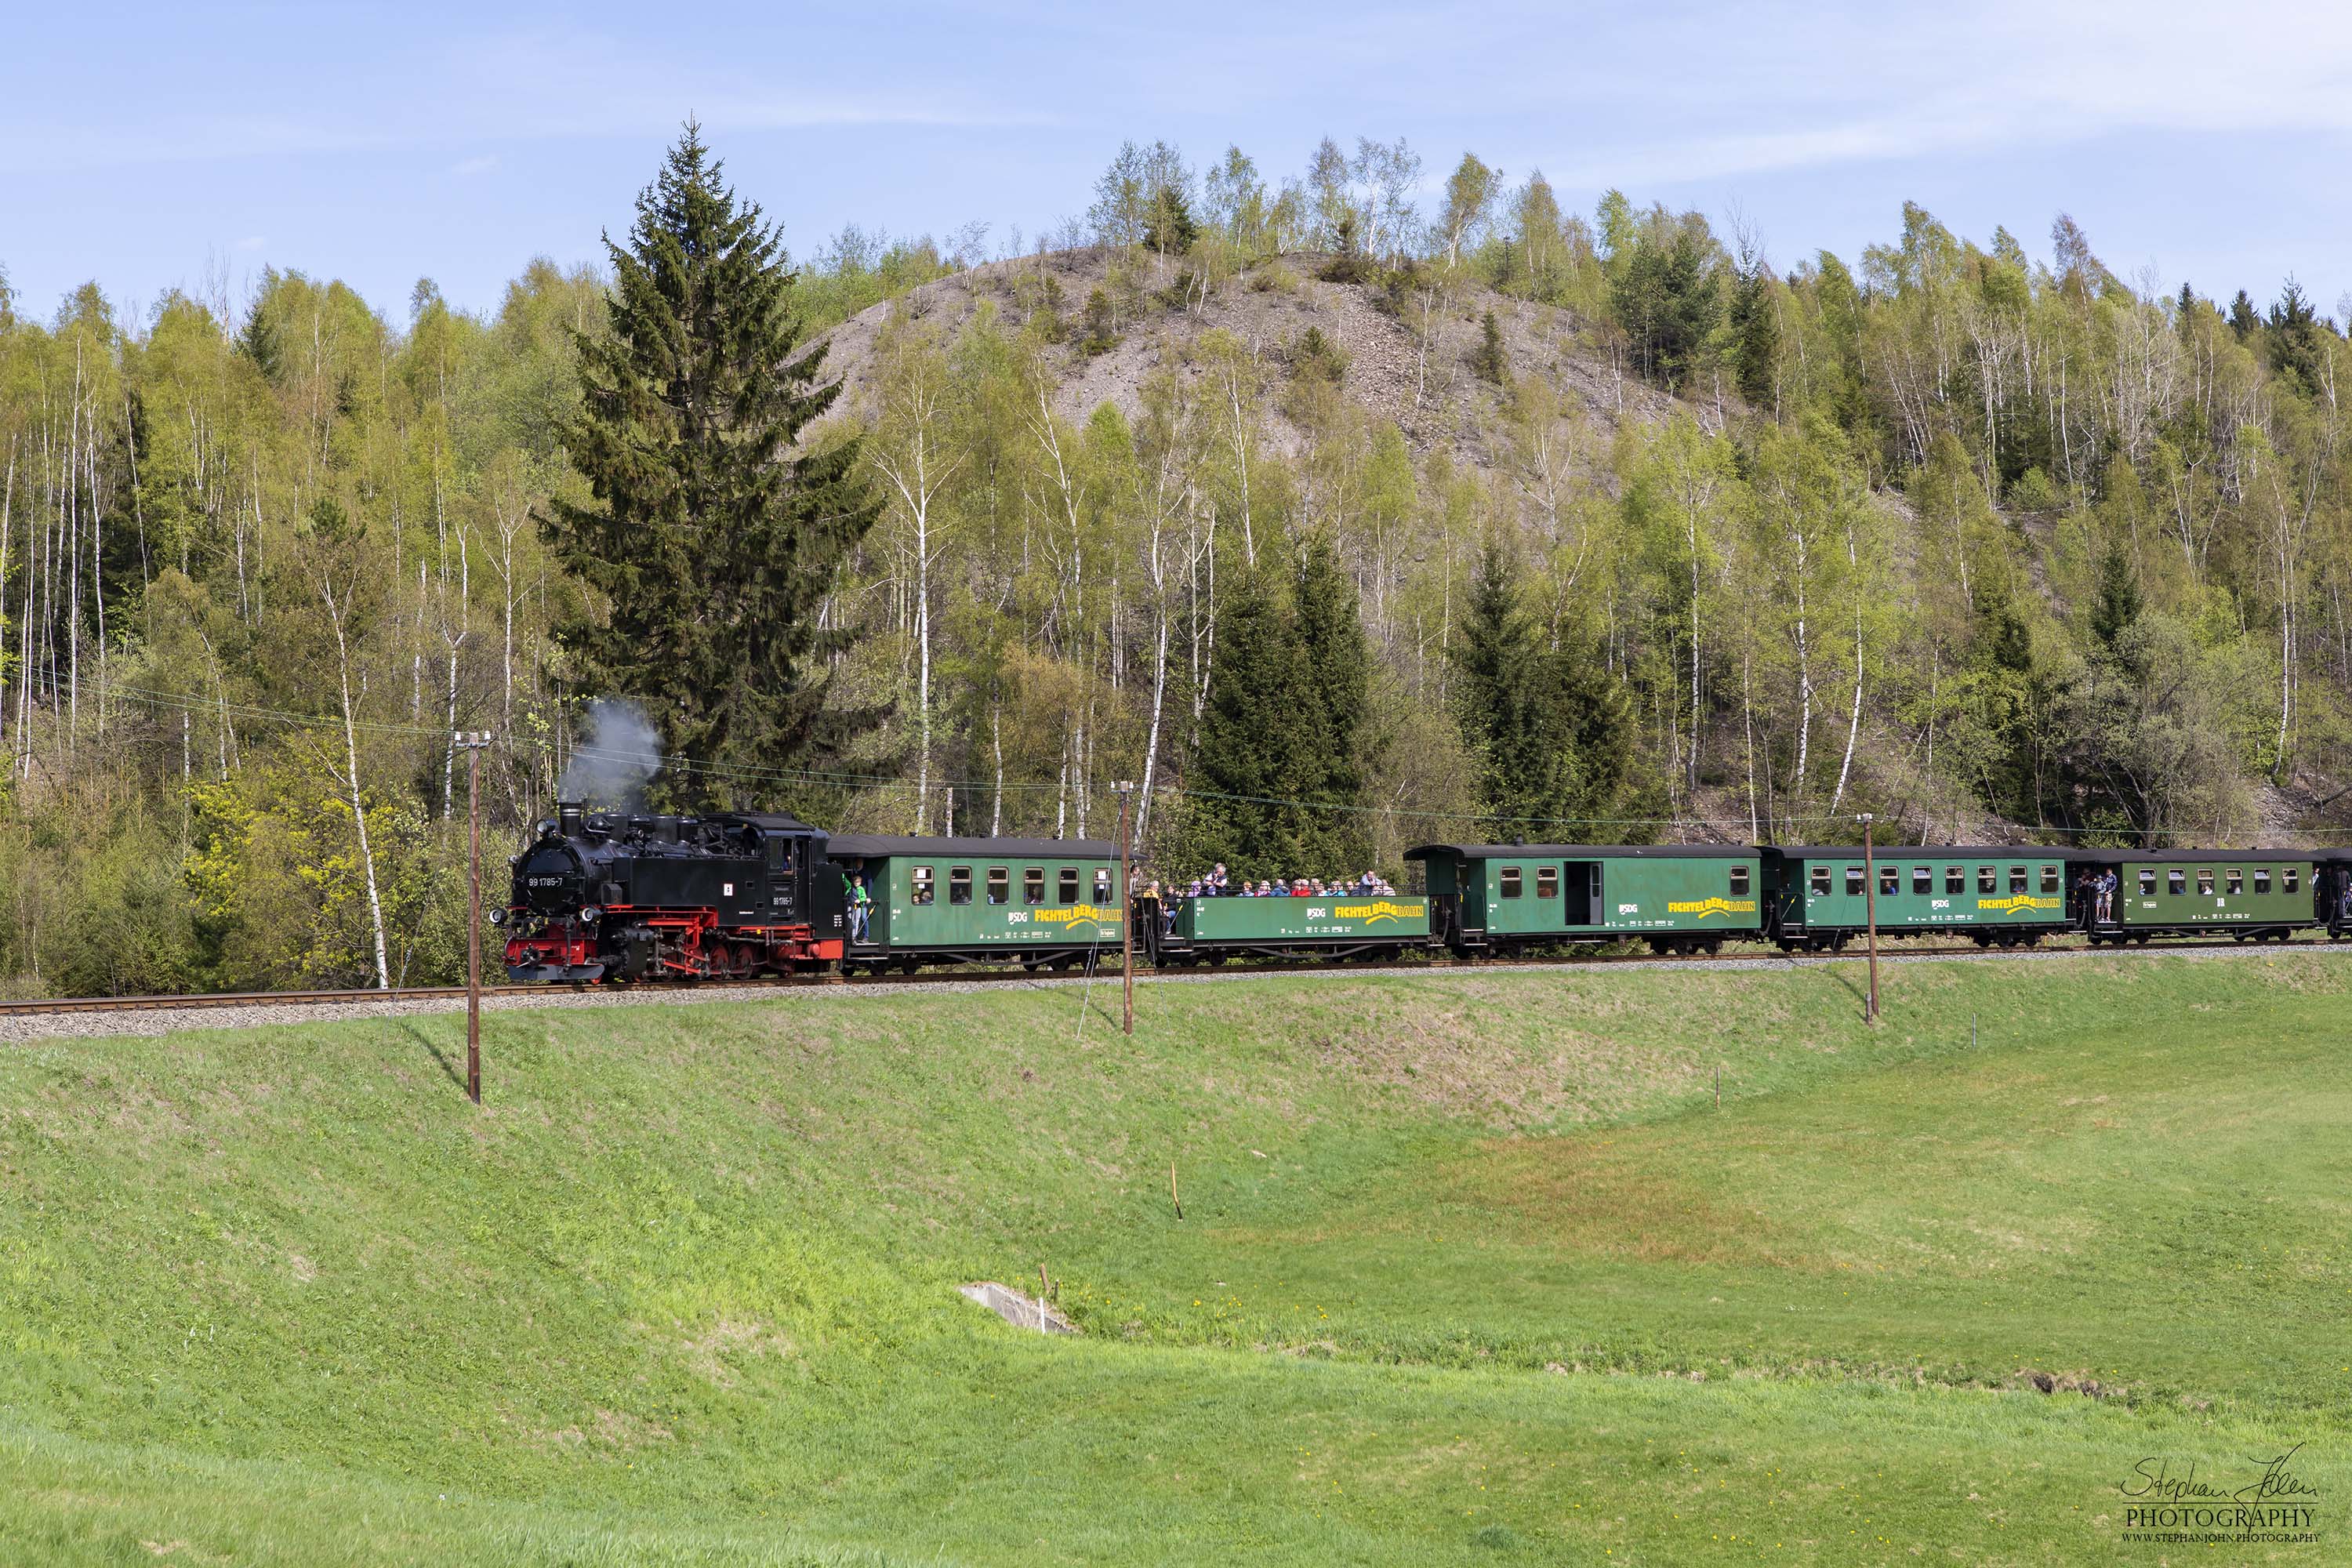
point(754, 774)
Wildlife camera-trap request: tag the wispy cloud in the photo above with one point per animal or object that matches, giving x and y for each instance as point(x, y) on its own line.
point(502, 87)
point(1828, 90)
point(252, 242)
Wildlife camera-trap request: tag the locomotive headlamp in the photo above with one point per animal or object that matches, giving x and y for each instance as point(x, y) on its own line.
point(591, 913)
point(497, 917)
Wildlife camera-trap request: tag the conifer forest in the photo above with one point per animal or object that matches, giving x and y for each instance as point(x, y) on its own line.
point(1342, 508)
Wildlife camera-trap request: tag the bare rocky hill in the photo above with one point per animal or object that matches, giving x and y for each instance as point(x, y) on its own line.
point(1428, 391)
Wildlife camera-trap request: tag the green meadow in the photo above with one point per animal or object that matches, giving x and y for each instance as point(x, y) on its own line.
point(1472, 1268)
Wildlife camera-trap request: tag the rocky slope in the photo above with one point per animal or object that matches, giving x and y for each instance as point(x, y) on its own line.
point(1431, 394)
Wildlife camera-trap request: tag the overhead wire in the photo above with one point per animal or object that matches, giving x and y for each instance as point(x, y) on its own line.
point(758, 773)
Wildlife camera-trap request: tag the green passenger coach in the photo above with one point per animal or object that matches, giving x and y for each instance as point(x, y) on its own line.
point(1333, 925)
point(2254, 895)
point(2008, 895)
point(1035, 901)
point(1680, 898)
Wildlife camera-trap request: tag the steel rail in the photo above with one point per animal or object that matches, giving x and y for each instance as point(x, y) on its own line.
point(1007, 975)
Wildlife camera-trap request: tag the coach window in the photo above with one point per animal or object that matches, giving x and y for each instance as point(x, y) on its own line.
point(1102, 887)
point(1547, 881)
point(2146, 882)
point(1740, 881)
point(2049, 879)
point(1820, 881)
point(1854, 881)
point(2234, 881)
point(1033, 885)
point(1988, 880)
point(1890, 882)
point(2289, 876)
point(2017, 879)
point(959, 884)
point(2262, 878)
point(2205, 883)
point(1956, 880)
point(1922, 879)
point(923, 884)
point(1068, 886)
point(1510, 881)
point(1000, 885)
point(2176, 881)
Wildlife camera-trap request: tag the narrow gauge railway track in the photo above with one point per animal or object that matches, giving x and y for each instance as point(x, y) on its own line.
point(680, 990)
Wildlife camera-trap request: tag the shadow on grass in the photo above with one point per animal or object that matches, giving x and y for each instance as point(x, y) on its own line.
point(1855, 988)
point(448, 1068)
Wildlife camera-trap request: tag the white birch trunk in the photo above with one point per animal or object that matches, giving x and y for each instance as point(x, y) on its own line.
point(1805, 676)
point(352, 764)
point(1151, 745)
point(1853, 723)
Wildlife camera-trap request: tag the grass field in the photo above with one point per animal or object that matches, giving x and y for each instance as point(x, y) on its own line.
point(1470, 1270)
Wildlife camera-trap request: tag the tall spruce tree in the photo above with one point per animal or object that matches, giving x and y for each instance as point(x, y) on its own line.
point(2294, 338)
point(1668, 300)
point(2117, 601)
point(1754, 336)
point(712, 536)
point(1281, 752)
point(1336, 667)
point(1550, 733)
point(1256, 740)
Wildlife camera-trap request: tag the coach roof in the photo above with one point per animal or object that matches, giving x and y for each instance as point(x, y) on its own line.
point(881, 847)
point(2190, 857)
point(1924, 851)
point(1584, 851)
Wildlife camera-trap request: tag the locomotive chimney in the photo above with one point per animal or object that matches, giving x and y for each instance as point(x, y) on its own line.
point(567, 819)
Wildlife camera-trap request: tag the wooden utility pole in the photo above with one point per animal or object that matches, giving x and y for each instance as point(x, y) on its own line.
point(471, 744)
point(1126, 789)
point(1870, 907)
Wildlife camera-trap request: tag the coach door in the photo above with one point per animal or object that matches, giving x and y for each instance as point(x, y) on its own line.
point(1580, 903)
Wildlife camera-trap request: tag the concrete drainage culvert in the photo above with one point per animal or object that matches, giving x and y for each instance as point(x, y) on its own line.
point(1021, 1311)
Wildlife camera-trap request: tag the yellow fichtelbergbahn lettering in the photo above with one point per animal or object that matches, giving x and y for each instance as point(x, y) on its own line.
point(2018, 902)
point(1076, 915)
point(1702, 908)
point(1373, 915)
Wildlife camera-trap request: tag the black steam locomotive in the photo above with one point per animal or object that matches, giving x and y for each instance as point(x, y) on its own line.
point(609, 896)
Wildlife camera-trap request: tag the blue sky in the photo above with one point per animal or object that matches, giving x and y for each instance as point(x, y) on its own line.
point(141, 144)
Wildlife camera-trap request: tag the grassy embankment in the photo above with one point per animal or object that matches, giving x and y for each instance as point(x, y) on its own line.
point(1470, 1270)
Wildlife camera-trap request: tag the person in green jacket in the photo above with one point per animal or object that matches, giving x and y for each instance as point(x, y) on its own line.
point(853, 892)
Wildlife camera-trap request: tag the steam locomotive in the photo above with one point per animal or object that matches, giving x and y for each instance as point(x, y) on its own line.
point(603, 896)
point(611, 896)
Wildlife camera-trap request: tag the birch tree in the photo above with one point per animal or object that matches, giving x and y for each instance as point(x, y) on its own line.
point(917, 452)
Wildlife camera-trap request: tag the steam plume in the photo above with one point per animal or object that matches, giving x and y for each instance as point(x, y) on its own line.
point(616, 757)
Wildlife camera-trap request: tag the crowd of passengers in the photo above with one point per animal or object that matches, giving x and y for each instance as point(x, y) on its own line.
point(1218, 884)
